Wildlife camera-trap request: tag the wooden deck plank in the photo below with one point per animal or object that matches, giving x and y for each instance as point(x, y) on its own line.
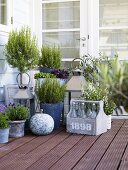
point(94, 155)
point(56, 153)
point(9, 147)
point(28, 159)
point(113, 155)
point(124, 162)
point(25, 149)
point(74, 155)
point(64, 151)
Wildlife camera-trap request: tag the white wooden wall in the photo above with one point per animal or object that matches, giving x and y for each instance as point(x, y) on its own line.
point(21, 13)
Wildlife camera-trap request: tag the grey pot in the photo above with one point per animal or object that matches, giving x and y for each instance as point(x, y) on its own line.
point(17, 129)
point(4, 134)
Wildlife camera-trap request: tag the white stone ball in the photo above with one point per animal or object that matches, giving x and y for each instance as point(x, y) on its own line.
point(41, 124)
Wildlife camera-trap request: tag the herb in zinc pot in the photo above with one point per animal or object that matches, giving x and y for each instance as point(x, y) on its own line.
point(18, 115)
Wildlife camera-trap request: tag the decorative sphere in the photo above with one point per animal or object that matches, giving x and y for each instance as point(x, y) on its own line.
point(41, 124)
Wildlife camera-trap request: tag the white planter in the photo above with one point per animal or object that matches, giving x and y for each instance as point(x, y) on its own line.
point(109, 120)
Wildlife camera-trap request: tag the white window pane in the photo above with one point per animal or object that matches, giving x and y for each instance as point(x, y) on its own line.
point(61, 15)
point(113, 13)
point(114, 41)
point(66, 40)
point(3, 12)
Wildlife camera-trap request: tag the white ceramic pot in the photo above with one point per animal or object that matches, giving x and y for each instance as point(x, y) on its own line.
point(109, 120)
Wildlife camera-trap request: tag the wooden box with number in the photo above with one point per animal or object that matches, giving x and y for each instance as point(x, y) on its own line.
point(86, 117)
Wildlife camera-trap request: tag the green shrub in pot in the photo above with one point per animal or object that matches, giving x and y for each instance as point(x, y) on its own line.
point(17, 115)
point(4, 128)
point(50, 91)
point(51, 96)
point(50, 57)
point(44, 75)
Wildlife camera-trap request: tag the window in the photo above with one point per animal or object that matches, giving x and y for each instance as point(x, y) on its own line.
point(3, 12)
point(61, 26)
point(114, 27)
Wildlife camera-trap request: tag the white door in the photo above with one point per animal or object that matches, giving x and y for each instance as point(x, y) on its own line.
point(64, 22)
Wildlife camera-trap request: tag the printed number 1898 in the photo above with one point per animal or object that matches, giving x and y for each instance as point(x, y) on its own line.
point(81, 126)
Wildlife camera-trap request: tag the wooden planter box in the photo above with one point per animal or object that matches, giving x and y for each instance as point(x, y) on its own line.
point(81, 120)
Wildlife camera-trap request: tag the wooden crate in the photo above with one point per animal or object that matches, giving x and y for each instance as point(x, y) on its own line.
point(86, 124)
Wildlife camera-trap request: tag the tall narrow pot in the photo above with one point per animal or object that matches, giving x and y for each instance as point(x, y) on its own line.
point(54, 110)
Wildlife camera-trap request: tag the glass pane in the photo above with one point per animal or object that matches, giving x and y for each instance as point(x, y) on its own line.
point(66, 40)
point(61, 15)
point(113, 13)
point(114, 41)
point(3, 12)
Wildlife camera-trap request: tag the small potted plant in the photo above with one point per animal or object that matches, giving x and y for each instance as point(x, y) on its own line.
point(109, 107)
point(4, 128)
point(51, 96)
point(41, 76)
point(61, 75)
point(17, 115)
point(50, 58)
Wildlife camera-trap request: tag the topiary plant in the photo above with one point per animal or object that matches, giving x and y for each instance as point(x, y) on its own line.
point(50, 91)
point(21, 50)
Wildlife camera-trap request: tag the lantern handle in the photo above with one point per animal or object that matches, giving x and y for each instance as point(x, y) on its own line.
point(83, 62)
point(20, 84)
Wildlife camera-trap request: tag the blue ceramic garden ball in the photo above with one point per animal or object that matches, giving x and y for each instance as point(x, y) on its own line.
point(41, 124)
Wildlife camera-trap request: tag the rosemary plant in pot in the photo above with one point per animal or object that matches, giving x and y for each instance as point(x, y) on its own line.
point(50, 58)
point(4, 128)
point(51, 96)
point(22, 51)
point(17, 115)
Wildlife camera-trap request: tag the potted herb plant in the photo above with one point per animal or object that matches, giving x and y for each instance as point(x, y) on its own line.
point(21, 50)
point(4, 128)
point(17, 115)
point(50, 58)
point(109, 107)
point(61, 75)
point(51, 96)
point(42, 76)
point(94, 92)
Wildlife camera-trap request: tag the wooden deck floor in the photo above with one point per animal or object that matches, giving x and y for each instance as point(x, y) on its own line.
point(63, 151)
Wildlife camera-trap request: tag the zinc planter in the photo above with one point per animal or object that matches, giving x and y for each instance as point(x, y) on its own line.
point(54, 110)
point(4, 134)
point(109, 119)
point(17, 129)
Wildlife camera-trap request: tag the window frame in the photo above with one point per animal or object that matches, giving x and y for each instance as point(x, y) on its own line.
point(7, 28)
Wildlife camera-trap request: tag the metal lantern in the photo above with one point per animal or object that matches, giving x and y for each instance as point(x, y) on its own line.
point(77, 81)
point(25, 95)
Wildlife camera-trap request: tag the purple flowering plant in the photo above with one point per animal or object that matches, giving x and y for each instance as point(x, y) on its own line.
point(61, 73)
point(2, 108)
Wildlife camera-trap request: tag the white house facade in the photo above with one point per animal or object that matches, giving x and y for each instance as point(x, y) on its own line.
point(80, 27)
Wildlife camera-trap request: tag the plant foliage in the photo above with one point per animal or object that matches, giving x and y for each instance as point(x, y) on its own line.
point(44, 75)
point(50, 57)
point(50, 91)
point(18, 112)
point(60, 73)
point(21, 50)
point(4, 121)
